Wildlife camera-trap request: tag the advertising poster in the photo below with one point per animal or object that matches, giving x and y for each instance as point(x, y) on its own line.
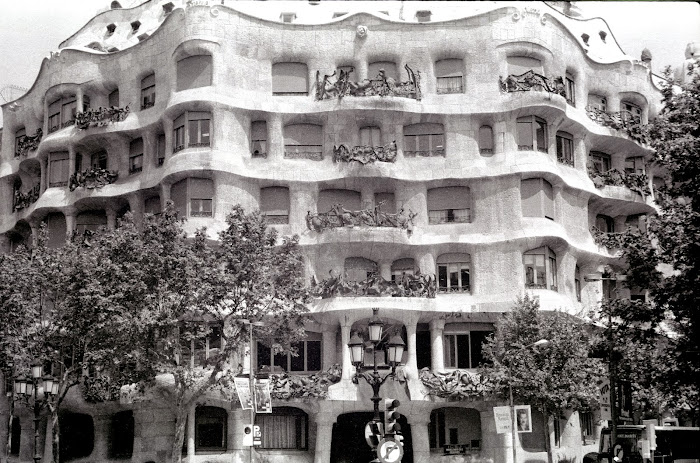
point(263, 400)
point(243, 391)
point(503, 420)
point(523, 418)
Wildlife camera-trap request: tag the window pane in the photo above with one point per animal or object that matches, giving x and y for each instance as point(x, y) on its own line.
point(281, 361)
point(289, 78)
point(477, 338)
point(297, 363)
point(541, 135)
point(450, 351)
point(442, 276)
point(524, 131)
point(193, 72)
point(313, 355)
point(263, 355)
point(463, 351)
point(518, 65)
point(485, 139)
point(464, 277)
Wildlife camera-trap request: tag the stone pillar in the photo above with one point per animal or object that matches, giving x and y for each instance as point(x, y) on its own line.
point(237, 419)
point(558, 201)
point(275, 137)
point(329, 341)
point(164, 194)
point(43, 180)
point(324, 436)
point(100, 451)
point(580, 154)
point(111, 218)
point(437, 358)
point(426, 264)
point(189, 433)
point(136, 205)
point(420, 437)
point(347, 359)
point(71, 161)
point(150, 150)
point(168, 131)
point(495, 447)
point(411, 349)
point(78, 100)
point(385, 270)
point(70, 215)
point(45, 124)
point(302, 199)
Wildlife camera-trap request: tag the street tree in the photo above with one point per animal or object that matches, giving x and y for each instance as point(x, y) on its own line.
point(553, 378)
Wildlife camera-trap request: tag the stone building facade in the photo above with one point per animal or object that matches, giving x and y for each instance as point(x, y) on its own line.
point(452, 156)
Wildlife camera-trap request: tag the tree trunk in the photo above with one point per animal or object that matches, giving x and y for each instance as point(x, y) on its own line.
point(180, 423)
point(55, 444)
point(6, 455)
point(547, 441)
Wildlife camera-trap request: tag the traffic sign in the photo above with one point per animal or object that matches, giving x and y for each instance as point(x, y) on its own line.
point(374, 431)
point(389, 451)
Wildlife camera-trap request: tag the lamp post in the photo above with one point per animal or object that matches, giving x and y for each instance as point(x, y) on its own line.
point(43, 390)
point(251, 376)
point(395, 348)
point(514, 423)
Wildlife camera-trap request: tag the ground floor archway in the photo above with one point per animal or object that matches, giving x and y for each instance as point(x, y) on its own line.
point(349, 445)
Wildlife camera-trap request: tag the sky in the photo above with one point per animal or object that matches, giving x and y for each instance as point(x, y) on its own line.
point(31, 29)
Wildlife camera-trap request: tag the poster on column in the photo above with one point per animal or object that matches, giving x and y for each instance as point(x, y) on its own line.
point(243, 391)
point(263, 399)
point(503, 421)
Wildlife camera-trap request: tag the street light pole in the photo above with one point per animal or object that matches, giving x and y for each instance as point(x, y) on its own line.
point(27, 389)
point(514, 423)
point(251, 379)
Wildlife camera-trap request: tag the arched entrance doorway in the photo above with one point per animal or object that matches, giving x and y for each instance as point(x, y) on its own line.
point(349, 445)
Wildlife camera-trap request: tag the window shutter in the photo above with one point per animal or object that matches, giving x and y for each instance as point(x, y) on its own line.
point(455, 197)
point(303, 134)
point(193, 72)
point(449, 68)
point(530, 197)
point(201, 188)
point(274, 200)
point(548, 199)
point(178, 193)
point(486, 139)
point(389, 70)
point(518, 65)
point(290, 78)
point(349, 199)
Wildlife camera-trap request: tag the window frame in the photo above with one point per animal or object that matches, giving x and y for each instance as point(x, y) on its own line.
point(449, 80)
point(600, 161)
point(371, 133)
point(533, 121)
point(293, 150)
point(630, 112)
point(183, 130)
point(564, 140)
point(429, 137)
point(587, 427)
point(64, 158)
point(544, 201)
point(577, 283)
point(279, 218)
point(301, 427)
point(160, 149)
point(601, 104)
point(194, 81)
point(278, 89)
point(450, 215)
point(136, 156)
point(549, 276)
point(148, 91)
point(637, 165)
point(482, 148)
point(570, 89)
point(218, 417)
point(453, 263)
point(190, 200)
point(276, 360)
point(262, 142)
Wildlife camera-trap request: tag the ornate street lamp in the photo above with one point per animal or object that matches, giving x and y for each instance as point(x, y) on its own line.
point(395, 348)
point(42, 390)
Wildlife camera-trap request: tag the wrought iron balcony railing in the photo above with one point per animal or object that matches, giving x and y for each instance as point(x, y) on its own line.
point(418, 285)
point(312, 152)
point(338, 217)
point(94, 177)
point(639, 183)
point(569, 161)
point(365, 154)
point(621, 120)
point(454, 289)
point(28, 143)
point(23, 200)
point(382, 85)
point(425, 153)
point(455, 385)
point(100, 117)
point(530, 80)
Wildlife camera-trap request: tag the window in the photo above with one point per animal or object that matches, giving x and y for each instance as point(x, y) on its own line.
point(288, 17)
point(303, 140)
point(55, 115)
point(160, 149)
point(210, 428)
point(556, 422)
point(274, 203)
point(449, 205)
point(401, 267)
point(370, 136)
point(565, 148)
point(148, 91)
point(604, 223)
point(69, 108)
point(424, 140)
point(15, 436)
point(455, 426)
point(97, 160)
point(194, 72)
point(19, 136)
point(307, 360)
point(630, 112)
point(284, 428)
point(121, 431)
point(360, 269)
point(113, 99)
point(258, 139)
point(389, 67)
point(570, 89)
point(532, 133)
point(77, 434)
point(485, 139)
point(290, 79)
point(537, 198)
point(463, 348)
point(540, 267)
point(518, 65)
point(577, 283)
point(58, 169)
point(198, 133)
point(386, 202)
point(636, 222)
point(609, 288)
point(535, 441)
point(597, 102)
point(56, 227)
point(453, 272)
point(204, 347)
point(136, 156)
point(152, 205)
point(423, 16)
point(193, 197)
point(600, 161)
point(634, 165)
point(449, 74)
point(349, 199)
point(90, 221)
point(586, 422)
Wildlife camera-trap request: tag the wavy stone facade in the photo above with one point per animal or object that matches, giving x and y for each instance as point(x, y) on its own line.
point(222, 109)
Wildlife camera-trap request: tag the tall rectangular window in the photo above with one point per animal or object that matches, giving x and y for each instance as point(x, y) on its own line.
point(179, 133)
point(258, 139)
point(449, 74)
point(565, 148)
point(532, 134)
point(424, 140)
point(274, 203)
point(485, 139)
point(69, 108)
point(599, 161)
point(148, 91)
point(136, 156)
point(199, 133)
point(537, 198)
point(113, 99)
point(55, 116)
point(370, 136)
point(290, 79)
point(201, 194)
point(160, 149)
point(540, 266)
point(570, 89)
point(58, 169)
point(586, 422)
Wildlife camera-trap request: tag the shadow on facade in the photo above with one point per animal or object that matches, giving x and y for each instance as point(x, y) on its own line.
point(349, 445)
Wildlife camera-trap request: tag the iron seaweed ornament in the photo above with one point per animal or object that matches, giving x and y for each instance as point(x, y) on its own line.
point(365, 154)
point(100, 117)
point(28, 143)
point(532, 81)
point(408, 285)
point(338, 217)
point(382, 85)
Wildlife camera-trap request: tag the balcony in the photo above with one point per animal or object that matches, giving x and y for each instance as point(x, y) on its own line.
point(28, 143)
point(410, 286)
point(621, 120)
point(311, 152)
point(92, 178)
point(23, 200)
point(454, 289)
point(100, 117)
point(455, 385)
point(328, 88)
point(532, 81)
point(365, 154)
point(339, 217)
point(639, 183)
point(285, 386)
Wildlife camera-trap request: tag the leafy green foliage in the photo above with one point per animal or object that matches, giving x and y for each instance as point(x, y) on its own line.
point(552, 378)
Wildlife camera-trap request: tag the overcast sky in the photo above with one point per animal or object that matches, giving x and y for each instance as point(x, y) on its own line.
point(31, 29)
